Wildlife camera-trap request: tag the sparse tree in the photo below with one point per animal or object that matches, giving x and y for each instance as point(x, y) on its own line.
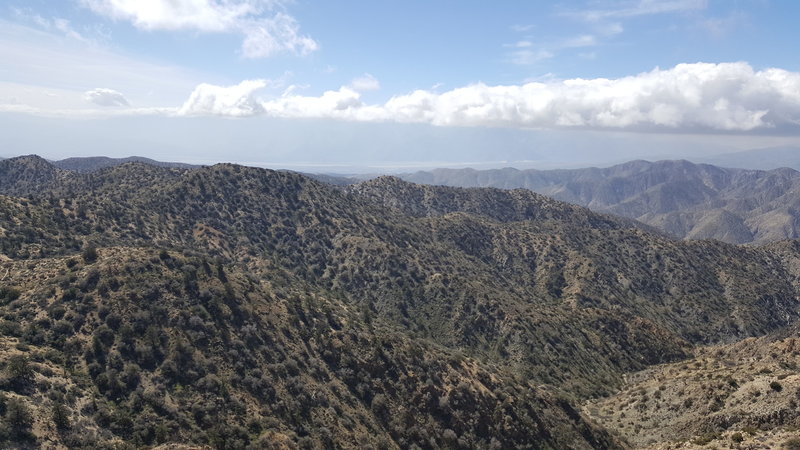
point(60, 416)
point(19, 370)
point(18, 416)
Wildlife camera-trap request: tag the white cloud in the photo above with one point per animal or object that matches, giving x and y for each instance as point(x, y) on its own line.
point(344, 103)
point(605, 21)
point(527, 56)
point(522, 28)
point(45, 60)
point(699, 97)
point(238, 101)
point(526, 53)
point(719, 27)
point(521, 44)
point(106, 97)
point(56, 25)
point(610, 29)
point(638, 8)
point(366, 82)
point(584, 40)
point(267, 30)
point(276, 35)
point(201, 15)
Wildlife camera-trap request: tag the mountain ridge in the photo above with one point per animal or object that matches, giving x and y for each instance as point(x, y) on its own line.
point(92, 163)
point(679, 197)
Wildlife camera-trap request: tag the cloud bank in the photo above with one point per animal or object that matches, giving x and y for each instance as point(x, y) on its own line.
point(689, 97)
point(267, 30)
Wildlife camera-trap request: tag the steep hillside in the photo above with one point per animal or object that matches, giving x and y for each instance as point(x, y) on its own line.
point(695, 201)
point(146, 347)
point(427, 299)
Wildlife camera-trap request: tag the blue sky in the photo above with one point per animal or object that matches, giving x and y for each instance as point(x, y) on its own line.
point(361, 82)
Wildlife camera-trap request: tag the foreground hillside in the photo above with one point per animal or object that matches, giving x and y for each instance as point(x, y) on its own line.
point(146, 347)
point(236, 306)
point(695, 201)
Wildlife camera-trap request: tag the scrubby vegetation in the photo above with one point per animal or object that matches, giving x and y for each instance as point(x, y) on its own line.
point(239, 307)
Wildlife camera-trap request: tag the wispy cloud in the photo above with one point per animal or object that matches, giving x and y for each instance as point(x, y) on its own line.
point(719, 27)
point(584, 40)
point(57, 25)
point(264, 24)
point(522, 28)
point(628, 9)
point(44, 60)
point(527, 53)
point(365, 82)
point(527, 57)
point(603, 23)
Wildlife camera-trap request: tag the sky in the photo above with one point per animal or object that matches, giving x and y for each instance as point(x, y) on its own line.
point(377, 85)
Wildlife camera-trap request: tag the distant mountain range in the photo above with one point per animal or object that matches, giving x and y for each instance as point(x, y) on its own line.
point(763, 158)
point(681, 198)
point(687, 200)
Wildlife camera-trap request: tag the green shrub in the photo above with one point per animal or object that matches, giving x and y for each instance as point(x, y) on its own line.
point(19, 369)
point(60, 416)
point(8, 294)
point(89, 254)
point(705, 439)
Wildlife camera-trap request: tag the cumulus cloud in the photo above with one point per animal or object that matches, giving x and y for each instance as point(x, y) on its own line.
point(266, 28)
point(106, 97)
point(237, 101)
point(699, 97)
